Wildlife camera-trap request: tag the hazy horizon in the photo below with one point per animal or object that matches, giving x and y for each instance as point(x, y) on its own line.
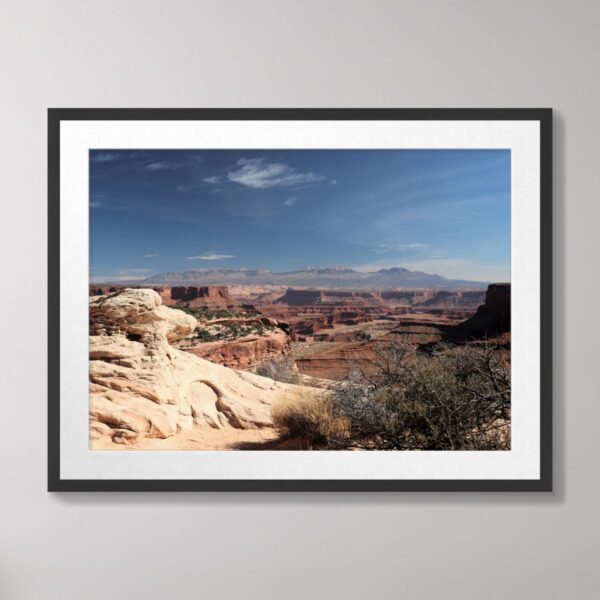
point(444, 212)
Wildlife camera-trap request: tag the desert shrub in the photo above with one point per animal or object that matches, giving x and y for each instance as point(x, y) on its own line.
point(279, 369)
point(310, 419)
point(204, 335)
point(457, 398)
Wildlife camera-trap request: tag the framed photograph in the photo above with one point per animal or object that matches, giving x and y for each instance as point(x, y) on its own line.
point(300, 300)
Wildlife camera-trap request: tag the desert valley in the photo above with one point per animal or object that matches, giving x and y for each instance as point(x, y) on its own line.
point(182, 366)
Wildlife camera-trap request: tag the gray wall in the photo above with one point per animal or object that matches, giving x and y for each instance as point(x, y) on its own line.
point(311, 53)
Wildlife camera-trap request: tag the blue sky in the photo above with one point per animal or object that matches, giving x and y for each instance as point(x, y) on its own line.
point(438, 211)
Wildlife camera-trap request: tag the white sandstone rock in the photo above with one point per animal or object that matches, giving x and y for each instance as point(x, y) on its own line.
point(142, 386)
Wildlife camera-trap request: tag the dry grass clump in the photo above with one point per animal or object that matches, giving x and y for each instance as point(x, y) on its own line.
point(310, 419)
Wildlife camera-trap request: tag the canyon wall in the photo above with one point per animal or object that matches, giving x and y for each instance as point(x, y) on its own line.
point(247, 352)
point(492, 317)
point(417, 298)
point(208, 296)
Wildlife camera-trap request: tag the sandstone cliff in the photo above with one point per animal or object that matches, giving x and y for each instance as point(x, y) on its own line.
point(492, 317)
point(141, 386)
point(246, 352)
point(416, 298)
point(210, 296)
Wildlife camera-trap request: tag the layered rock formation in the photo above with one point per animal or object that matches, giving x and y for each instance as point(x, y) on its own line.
point(492, 317)
point(416, 298)
point(246, 352)
point(448, 299)
point(346, 349)
point(210, 296)
point(301, 297)
point(141, 386)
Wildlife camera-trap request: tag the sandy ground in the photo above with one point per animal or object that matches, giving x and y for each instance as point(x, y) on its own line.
point(205, 438)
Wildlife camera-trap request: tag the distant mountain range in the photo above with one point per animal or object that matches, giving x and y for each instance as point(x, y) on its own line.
point(325, 277)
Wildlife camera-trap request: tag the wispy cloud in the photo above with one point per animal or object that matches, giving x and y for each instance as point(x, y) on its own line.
point(95, 200)
point(151, 255)
point(104, 157)
point(258, 174)
point(385, 248)
point(213, 179)
point(114, 207)
point(164, 165)
point(129, 274)
point(188, 187)
point(210, 256)
point(290, 201)
point(119, 277)
point(173, 165)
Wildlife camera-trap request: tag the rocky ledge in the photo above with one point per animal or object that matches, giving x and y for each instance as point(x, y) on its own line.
point(141, 386)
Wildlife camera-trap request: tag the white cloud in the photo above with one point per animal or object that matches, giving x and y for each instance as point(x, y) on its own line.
point(163, 165)
point(104, 157)
point(213, 179)
point(188, 187)
point(385, 248)
point(96, 204)
point(151, 255)
point(210, 256)
point(120, 278)
point(258, 174)
point(290, 201)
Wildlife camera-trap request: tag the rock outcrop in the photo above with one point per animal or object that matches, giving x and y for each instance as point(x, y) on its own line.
point(416, 298)
point(210, 296)
point(492, 317)
point(451, 299)
point(301, 297)
point(141, 386)
point(246, 352)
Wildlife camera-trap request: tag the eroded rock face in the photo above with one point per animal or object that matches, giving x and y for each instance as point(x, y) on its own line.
point(140, 385)
point(492, 317)
point(417, 298)
point(210, 296)
point(246, 352)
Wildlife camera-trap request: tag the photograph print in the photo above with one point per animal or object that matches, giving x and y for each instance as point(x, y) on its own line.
point(300, 300)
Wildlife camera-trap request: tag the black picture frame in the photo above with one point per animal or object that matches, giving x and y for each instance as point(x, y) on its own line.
point(58, 115)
